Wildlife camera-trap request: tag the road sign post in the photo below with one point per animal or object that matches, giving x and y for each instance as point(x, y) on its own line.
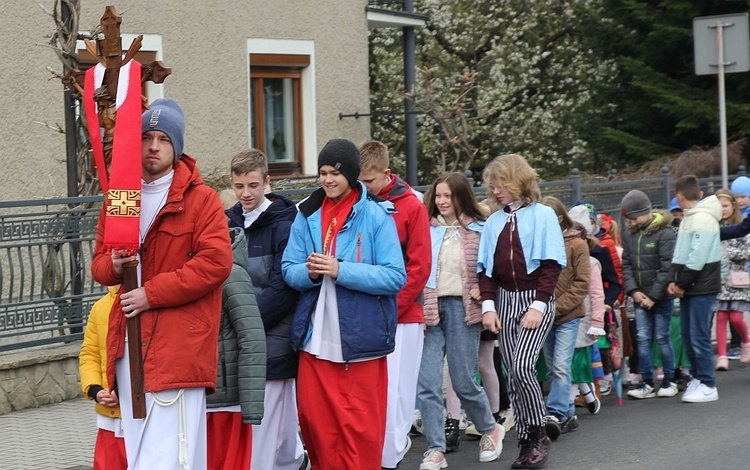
point(721, 46)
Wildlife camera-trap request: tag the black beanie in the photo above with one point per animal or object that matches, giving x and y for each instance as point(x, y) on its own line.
point(344, 156)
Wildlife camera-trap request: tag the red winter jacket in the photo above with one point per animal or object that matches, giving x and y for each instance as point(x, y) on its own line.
point(185, 258)
point(414, 235)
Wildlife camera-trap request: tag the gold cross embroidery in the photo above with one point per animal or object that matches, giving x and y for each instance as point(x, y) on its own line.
point(124, 203)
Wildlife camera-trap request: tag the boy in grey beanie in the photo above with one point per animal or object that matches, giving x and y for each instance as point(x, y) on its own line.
point(636, 203)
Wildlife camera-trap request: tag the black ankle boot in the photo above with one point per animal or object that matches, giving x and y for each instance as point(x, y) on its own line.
point(452, 438)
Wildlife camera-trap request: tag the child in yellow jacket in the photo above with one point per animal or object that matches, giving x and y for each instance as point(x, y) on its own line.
point(109, 451)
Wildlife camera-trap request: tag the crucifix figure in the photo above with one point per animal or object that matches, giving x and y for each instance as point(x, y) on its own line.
point(102, 105)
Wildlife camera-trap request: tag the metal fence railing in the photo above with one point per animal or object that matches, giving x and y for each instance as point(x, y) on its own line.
point(46, 289)
point(46, 247)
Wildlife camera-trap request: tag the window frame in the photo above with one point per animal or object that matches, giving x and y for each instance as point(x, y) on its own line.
point(285, 58)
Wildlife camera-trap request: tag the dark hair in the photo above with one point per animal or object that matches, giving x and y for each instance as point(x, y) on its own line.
point(462, 196)
point(689, 187)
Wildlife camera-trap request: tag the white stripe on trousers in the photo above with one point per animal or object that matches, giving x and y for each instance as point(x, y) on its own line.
point(520, 348)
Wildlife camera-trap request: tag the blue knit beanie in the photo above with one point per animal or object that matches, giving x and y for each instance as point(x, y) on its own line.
point(166, 116)
point(741, 186)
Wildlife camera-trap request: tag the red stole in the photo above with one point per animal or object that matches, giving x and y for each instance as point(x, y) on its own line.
point(332, 218)
point(123, 186)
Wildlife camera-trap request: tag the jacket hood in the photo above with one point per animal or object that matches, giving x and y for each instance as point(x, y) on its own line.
point(313, 202)
point(281, 208)
point(186, 174)
point(661, 219)
point(239, 247)
point(398, 188)
point(571, 233)
point(710, 205)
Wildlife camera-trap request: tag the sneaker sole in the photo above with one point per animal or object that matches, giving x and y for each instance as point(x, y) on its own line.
point(443, 464)
point(700, 399)
point(644, 397)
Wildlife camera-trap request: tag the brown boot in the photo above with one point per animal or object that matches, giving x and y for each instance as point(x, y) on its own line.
point(525, 445)
point(540, 444)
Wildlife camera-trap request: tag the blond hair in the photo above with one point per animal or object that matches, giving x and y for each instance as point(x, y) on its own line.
point(514, 173)
point(736, 216)
point(373, 155)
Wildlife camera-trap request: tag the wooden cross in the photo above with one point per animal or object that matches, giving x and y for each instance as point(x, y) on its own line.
point(108, 51)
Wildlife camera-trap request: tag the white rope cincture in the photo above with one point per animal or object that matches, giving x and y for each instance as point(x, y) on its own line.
point(181, 435)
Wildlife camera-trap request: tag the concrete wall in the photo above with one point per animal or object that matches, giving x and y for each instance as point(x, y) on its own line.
point(29, 379)
point(205, 43)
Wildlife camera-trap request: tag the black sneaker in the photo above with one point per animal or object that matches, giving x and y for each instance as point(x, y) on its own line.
point(452, 435)
point(553, 426)
point(570, 424)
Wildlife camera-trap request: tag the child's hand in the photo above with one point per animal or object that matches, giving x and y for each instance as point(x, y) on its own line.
point(490, 321)
point(319, 264)
point(675, 290)
point(474, 293)
point(532, 319)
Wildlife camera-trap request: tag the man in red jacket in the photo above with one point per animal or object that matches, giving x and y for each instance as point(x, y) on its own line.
point(414, 236)
point(185, 256)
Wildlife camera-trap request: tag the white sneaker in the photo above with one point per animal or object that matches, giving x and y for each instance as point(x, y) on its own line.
point(644, 391)
point(668, 391)
point(702, 394)
point(509, 419)
point(463, 423)
point(692, 385)
point(433, 460)
point(491, 445)
point(472, 433)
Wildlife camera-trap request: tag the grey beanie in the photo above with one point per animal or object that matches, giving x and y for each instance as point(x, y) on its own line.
point(166, 116)
point(344, 156)
point(635, 204)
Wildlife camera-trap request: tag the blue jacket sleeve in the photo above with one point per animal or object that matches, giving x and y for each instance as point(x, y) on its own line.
point(293, 261)
point(735, 231)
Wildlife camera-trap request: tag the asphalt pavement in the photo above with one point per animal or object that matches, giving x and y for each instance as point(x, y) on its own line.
point(658, 433)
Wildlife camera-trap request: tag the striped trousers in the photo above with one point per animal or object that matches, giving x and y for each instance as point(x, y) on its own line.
point(520, 348)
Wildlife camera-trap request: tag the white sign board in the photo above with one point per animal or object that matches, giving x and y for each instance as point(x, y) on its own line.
point(736, 43)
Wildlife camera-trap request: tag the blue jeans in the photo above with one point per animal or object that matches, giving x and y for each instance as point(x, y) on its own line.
point(558, 354)
point(695, 318)
point(459, 342)
point(654, 324)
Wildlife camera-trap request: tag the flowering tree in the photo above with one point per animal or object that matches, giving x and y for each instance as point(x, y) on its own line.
point(493, 78)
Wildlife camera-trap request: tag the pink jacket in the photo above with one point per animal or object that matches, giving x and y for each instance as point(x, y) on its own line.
point(469, 276)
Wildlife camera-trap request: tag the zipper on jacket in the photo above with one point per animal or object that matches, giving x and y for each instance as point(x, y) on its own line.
point(385, 317)
point(224, 372)
point(512, 264)
point(359, 248)
point(638, 259)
